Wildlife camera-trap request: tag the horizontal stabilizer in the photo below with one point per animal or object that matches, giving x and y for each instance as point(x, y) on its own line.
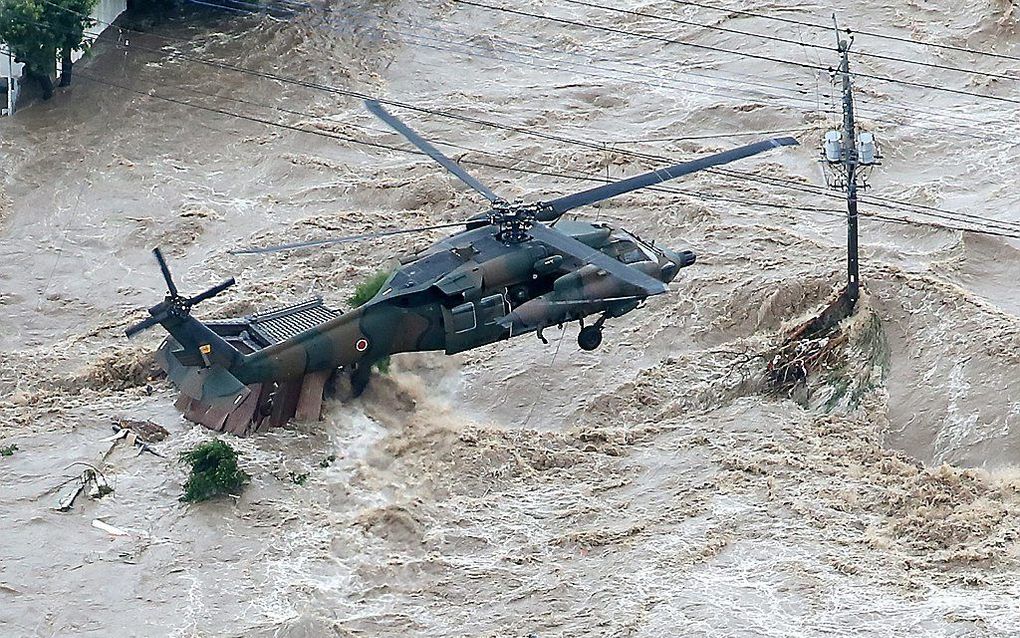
point(188, 359)
point(212, 385)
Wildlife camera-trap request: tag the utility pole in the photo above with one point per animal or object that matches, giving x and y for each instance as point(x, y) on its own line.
point(846, 154)
point(853, 272)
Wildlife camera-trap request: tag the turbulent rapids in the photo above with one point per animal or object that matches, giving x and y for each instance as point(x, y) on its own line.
point(672, 478)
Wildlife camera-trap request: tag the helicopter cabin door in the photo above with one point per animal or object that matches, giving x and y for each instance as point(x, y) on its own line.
point(473, 323)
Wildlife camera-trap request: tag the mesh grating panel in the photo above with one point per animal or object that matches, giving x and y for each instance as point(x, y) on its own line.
point(283, 323)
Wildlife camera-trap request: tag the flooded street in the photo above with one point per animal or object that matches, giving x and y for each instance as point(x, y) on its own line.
point(649, 488)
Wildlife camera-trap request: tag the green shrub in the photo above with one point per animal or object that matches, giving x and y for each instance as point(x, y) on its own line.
point(368, 289)
point(8, 450)
point(214, 471)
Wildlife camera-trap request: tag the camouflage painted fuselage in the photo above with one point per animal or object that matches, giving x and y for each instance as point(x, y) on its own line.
point(465, 291)
point(469, 290)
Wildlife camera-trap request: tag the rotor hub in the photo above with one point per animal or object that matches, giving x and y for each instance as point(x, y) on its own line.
point(514, 220)
point(177, 306)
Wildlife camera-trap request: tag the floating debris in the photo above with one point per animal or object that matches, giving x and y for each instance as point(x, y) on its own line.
point(110, 529)
point(91, 481)
point(132, 432)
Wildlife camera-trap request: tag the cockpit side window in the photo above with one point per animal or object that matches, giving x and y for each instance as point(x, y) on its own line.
point(628, 251)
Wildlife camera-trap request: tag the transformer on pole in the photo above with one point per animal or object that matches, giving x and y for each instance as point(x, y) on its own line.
point(847, 156)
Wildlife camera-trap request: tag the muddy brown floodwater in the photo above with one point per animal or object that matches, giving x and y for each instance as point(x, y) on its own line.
point(650, 488)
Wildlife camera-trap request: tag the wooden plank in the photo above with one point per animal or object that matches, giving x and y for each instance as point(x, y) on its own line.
point(183, 403)
point(240, 421)
point(284, 403)
point(309, 406)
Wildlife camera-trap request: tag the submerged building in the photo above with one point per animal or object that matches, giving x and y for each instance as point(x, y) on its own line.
point(103, 15)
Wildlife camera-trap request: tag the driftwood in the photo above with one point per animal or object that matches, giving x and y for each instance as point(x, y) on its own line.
point(91, 480)
point(792, 362)
point(808, 348)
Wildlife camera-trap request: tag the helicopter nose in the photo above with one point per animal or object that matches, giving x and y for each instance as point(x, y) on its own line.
point(677, 260)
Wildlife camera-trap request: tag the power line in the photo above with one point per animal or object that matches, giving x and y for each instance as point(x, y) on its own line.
point(781, 182)
point(601, 72)
point(984, 136)
point(962, 123)
point(785, 183)
point(978, 125)
point(545, 173)
point(714, 136)
point(379, 145)
point(774, 38)
point(871, 34)
point(756, 56)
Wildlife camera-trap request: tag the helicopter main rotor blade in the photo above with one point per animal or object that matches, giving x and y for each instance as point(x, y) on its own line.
point(560, 241)
point(430, 150)
point(166, 271)
point(341, 240)
point(554, 209)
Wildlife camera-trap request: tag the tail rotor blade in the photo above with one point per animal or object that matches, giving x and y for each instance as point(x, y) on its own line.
point(212, 292)
point(554, 209)
point(166, 271)
point(429, 150)
point(145, 324)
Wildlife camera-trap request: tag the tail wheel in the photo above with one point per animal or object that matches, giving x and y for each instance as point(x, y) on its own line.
point(590, 337)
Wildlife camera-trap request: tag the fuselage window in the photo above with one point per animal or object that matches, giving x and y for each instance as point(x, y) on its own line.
point(490, 309)
point(463, 317)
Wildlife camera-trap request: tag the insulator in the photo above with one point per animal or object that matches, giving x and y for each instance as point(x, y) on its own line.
point(866, 149)
point(833, 146)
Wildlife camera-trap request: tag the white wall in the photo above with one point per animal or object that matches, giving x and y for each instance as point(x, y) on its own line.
point(104, 14)
point(10, 70)
point(8, 67)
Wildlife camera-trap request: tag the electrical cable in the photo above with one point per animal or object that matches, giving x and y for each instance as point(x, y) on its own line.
point(259, 74)
point(87, 77)
point(755, 56)
point(962, 123)
point(594, 145)
point(870, 34)
point(774, 38)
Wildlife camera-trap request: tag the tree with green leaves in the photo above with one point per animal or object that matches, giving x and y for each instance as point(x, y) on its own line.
point(38, 31)
point(71, 26)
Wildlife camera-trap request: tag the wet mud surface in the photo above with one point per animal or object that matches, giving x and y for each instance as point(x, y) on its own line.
point(522, 488)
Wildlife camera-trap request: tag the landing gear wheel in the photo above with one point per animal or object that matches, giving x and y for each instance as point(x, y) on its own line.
point(359, 379)
point(590, 337)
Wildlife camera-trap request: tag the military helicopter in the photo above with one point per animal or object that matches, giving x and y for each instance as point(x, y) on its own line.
point(513, 270)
